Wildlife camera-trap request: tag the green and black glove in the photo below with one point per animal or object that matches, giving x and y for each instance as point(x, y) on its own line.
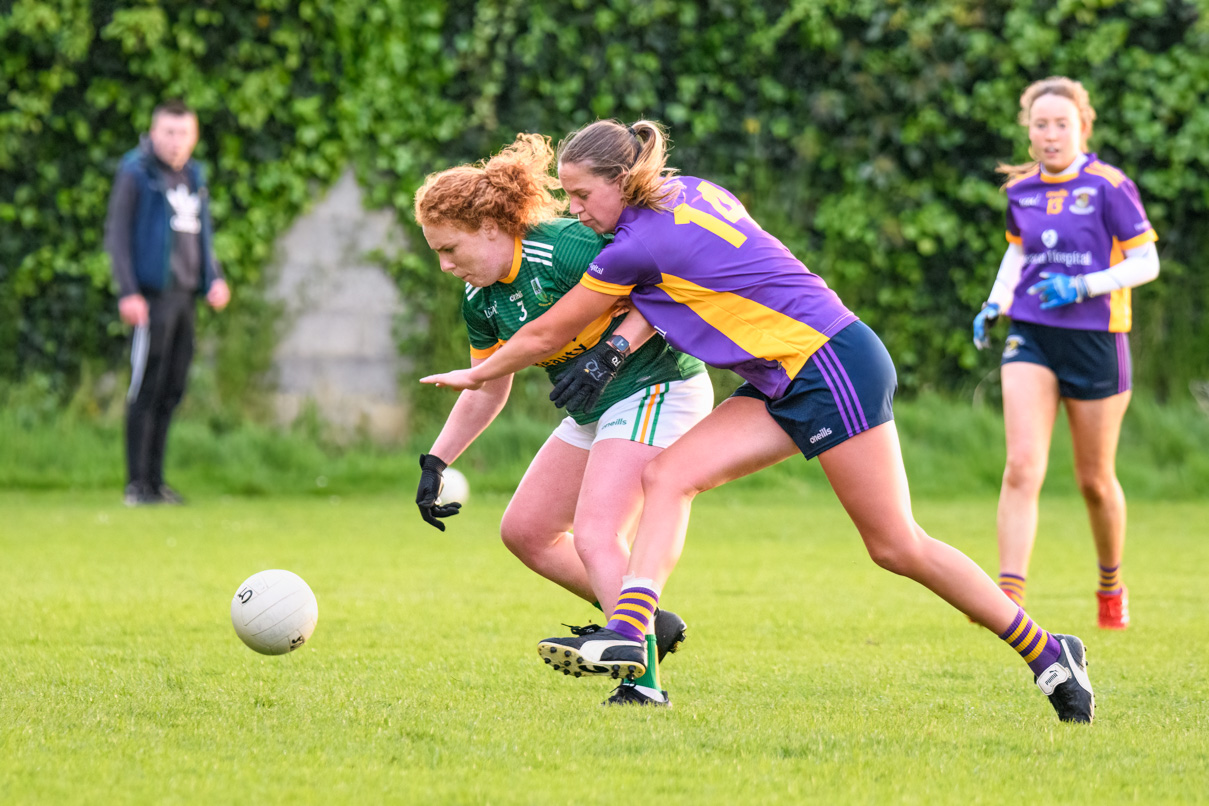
point(580, 386)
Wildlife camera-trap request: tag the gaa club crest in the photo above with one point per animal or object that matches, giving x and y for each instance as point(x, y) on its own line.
point(1083, 199)
point(543, 299)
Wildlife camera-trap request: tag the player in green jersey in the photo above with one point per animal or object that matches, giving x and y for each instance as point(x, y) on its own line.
point(494, 226)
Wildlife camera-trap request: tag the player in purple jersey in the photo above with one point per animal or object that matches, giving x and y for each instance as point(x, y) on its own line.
point(819, 382)
point(1078, 241)
point(493, 225)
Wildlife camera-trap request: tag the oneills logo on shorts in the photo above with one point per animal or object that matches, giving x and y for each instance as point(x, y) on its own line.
point(825, 432)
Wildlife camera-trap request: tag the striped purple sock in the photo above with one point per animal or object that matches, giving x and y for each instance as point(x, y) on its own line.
point(1110, 579)
point(634, 612)
point(1038, 648)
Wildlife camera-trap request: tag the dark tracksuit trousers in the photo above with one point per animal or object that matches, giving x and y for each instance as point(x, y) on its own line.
point(160, 356)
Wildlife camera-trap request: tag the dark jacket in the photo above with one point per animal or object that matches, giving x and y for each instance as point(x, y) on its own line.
point(140, 239)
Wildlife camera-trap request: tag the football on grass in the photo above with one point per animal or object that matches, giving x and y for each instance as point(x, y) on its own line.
point(274, 612)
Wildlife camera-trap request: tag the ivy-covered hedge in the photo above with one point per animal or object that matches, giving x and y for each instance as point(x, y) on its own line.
point(864, 134)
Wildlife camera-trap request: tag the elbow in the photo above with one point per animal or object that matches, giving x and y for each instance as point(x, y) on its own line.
point(547, 341)
point(551, 344)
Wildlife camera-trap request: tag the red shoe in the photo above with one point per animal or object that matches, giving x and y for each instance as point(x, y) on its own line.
point(1114, 610)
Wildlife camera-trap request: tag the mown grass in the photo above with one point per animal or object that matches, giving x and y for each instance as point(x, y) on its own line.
point(809, 676)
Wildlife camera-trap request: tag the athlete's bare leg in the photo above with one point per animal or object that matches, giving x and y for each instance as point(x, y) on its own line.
point(610, 501)
point(537, 523)
point(736, 439)
point(868, 476)
point(1030, 405)
point(1095, 428)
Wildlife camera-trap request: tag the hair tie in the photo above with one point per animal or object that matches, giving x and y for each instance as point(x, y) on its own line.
point(630, 129)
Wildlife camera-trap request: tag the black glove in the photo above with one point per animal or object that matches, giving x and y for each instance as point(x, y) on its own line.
point(580, 387)
point(431, 470)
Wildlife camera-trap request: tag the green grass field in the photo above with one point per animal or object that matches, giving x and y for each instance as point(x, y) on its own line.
point(809, 675)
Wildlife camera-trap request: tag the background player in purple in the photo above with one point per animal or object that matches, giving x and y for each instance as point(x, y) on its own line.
point(1078, 241)
point(819, 382)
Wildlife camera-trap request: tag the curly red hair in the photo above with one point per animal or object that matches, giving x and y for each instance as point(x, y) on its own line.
point(514, 188)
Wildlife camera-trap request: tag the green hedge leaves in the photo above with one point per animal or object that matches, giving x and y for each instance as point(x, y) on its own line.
point(864, 134)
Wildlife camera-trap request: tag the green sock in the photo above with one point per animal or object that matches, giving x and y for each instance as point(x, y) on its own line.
point(650, 678)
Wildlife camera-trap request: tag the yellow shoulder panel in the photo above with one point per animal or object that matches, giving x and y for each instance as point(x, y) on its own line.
point(1109, 173)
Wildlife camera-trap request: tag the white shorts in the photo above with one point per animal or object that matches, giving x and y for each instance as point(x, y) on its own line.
point(657, 415)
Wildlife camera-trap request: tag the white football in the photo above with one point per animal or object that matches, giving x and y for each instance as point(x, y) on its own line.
point(274, 612)
point(454, 489)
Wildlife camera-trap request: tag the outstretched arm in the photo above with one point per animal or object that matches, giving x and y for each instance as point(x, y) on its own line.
point(541, 338)
point(471, 414)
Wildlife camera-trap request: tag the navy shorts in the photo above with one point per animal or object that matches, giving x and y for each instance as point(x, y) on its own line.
point(1090, 364)
point(845, 388)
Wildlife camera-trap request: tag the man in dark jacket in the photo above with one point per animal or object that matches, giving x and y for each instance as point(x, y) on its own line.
point(160, 240)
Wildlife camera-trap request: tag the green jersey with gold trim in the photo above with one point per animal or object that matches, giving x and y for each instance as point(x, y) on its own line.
point(548, 261)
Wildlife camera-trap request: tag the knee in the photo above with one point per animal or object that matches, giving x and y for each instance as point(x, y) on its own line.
point(660, 479)
point(170, 400)
point(1098, 489)
point(519, 535)
point(898, 554)
point(593, 544)
point(1026, 475)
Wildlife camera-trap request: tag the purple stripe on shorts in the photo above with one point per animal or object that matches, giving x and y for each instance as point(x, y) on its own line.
point(856, 401)
point(844, 399)
point(835, 393)
point(1124, 362)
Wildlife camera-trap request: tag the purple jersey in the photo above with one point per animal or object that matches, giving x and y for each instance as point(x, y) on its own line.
point(718, 287)
point(1075, 223)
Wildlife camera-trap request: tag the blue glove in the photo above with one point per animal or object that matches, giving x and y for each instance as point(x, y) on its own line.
point(1057, 290)
point(987, 316)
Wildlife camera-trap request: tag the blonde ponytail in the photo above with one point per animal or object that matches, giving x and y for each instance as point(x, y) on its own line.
point(608, 148)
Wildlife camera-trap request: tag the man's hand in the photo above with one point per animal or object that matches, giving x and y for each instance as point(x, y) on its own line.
point(431, 473)
point(985, 318)
point(219, 294)
point(580, 386)
point(458, 379)
point(133, 310)
point(1057, 290)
